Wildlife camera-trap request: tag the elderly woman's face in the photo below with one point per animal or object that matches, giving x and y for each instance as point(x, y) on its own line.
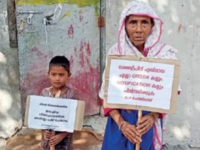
point(138, 28)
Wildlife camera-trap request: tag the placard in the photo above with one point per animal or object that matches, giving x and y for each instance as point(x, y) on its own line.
point(54, 113)
point(141, 83)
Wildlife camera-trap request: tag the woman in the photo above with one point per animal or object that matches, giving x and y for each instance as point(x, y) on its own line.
point(139, 34)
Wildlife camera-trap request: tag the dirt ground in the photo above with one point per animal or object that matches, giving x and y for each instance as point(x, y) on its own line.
point(83, 140)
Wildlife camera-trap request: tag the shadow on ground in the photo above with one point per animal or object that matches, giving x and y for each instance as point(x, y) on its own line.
point(83, 140)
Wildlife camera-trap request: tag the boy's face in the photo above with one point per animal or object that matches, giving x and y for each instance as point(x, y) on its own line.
point(58, 76)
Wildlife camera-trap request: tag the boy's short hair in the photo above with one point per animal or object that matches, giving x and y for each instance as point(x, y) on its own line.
point(60, 61)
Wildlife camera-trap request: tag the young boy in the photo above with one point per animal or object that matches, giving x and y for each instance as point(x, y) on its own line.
point(59, 73)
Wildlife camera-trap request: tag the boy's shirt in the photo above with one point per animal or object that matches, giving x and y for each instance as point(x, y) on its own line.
point(66, 143)
point(67, 94)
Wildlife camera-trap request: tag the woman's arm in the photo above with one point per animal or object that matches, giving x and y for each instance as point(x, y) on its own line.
point(116, 117)
point(129, 131)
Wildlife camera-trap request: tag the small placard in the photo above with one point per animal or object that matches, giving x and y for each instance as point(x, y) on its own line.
point(141, 83)
point(54, 113)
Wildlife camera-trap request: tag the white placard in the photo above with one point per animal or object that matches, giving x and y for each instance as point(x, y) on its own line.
point(52, 113)
point(140, 83)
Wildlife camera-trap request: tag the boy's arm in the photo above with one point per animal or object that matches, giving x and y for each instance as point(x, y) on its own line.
point(44, 142)
point(63, 134)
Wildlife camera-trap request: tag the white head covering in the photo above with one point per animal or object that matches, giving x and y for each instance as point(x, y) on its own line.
point(153, 47)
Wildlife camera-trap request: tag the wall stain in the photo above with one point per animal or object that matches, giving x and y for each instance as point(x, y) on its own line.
point(70, 31)
point(86, 79)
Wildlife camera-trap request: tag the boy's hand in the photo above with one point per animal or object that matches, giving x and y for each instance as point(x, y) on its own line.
point(47, 134)
point(57, 138)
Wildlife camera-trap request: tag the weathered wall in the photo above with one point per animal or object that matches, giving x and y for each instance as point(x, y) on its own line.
point(10, 116)
point(182, 30)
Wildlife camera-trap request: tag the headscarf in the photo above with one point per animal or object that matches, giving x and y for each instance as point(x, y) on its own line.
point(153, 47)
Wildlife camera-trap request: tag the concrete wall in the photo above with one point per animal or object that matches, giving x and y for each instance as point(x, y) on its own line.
point(181, 30)
point(10, 105)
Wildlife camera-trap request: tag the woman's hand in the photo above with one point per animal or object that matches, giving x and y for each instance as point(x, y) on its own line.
point(57, 138)
point(130, 132)
point(146, 122)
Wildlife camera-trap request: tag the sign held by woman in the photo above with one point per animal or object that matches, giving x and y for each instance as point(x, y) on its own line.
point(141, 83)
